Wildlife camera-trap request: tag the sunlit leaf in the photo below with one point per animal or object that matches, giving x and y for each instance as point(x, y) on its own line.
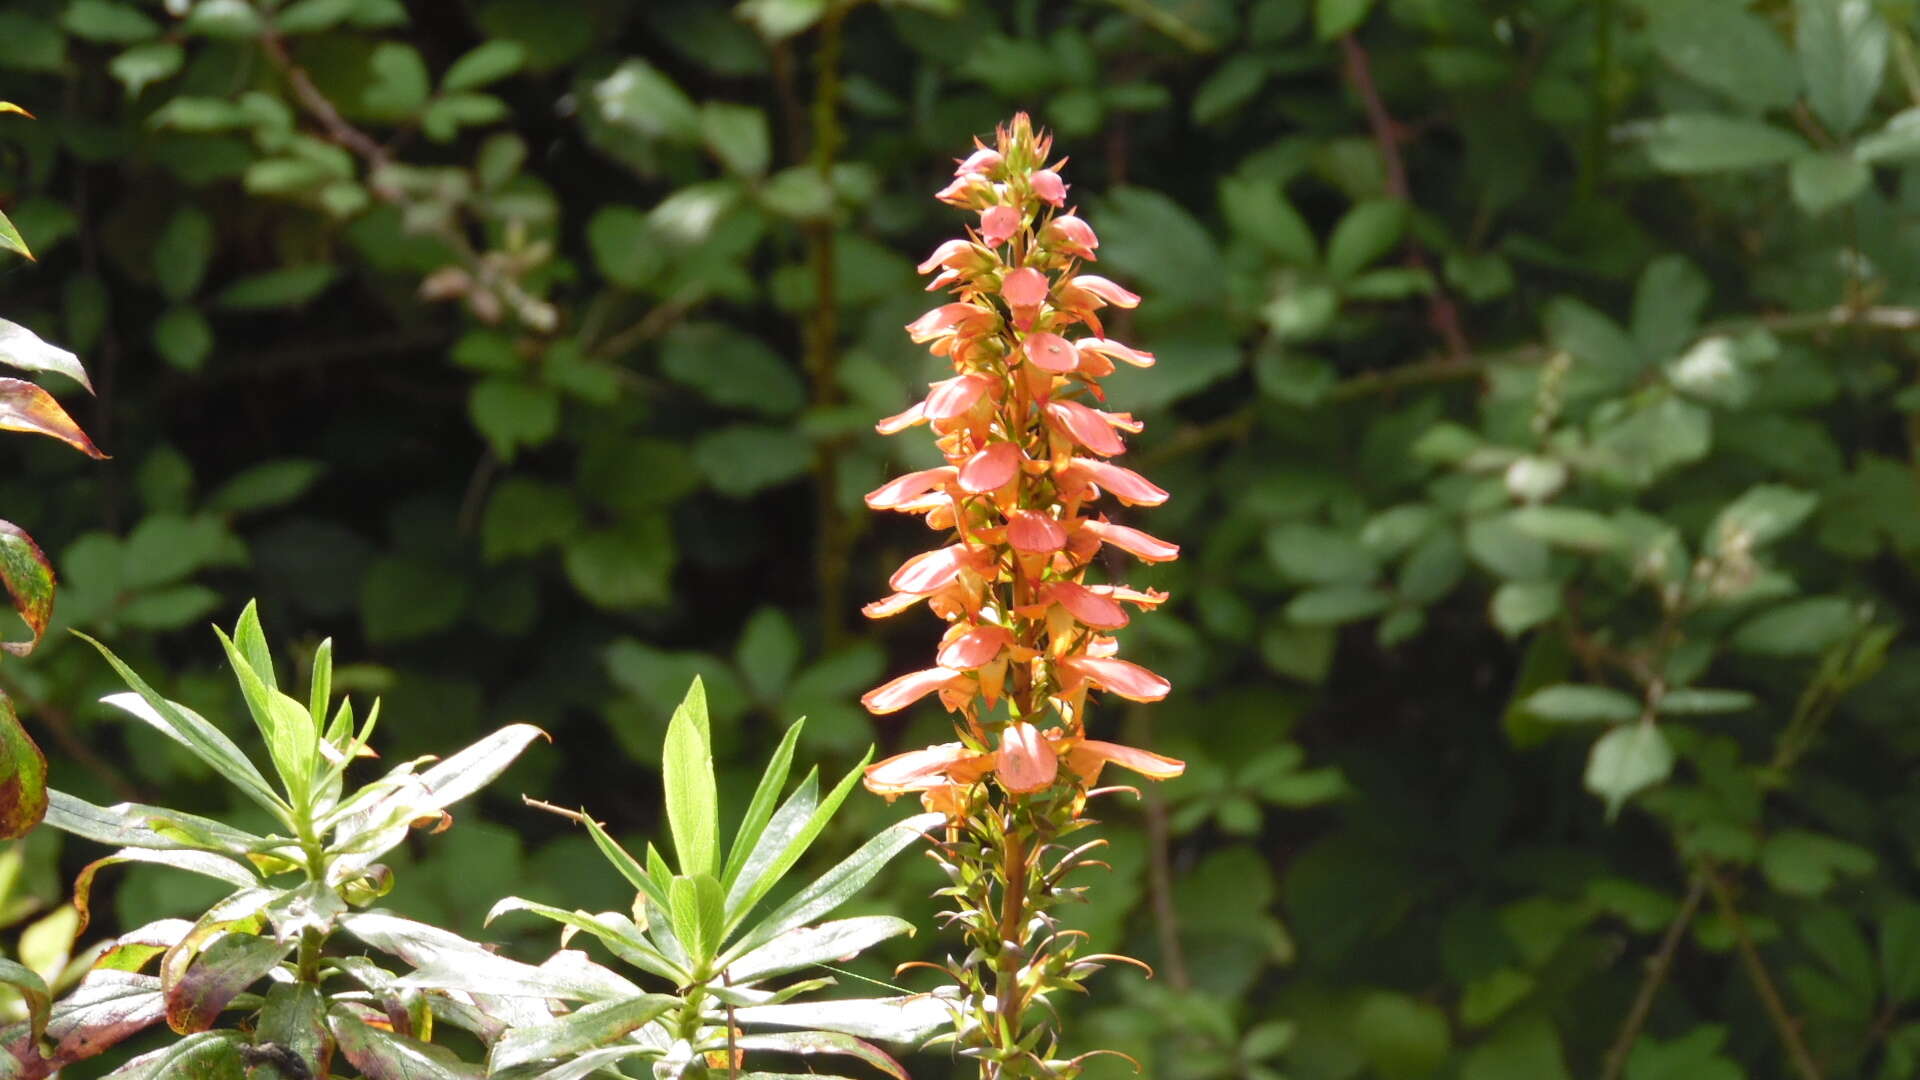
point(583, 1029)
point(23, 776)
point(26, 407)
point(22, 348)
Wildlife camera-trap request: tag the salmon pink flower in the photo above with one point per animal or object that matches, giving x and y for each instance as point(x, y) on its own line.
point(981, 162)
point(975, 648)
point(921, 770)
point(991, 468)
point(1070, 235)
point(1105, 291)
point(1086, 757)
point(1049, 187)
point(909, 688)
point(1090, 428)
point(1097, 611)
point(1051, 352)
point(1122, 677)
point(895, 493)
point(1024, 288)
point(1034, 532)
point(1150, 549)
point(1114, 350)
point(1123, 484)
point(1026, 762)
point(998, 224)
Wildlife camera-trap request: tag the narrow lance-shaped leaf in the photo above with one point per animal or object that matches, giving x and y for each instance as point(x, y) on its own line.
point(798, 844)
point(587, 1028)
point(806, 946)
point(10, 237)
point(23, 776)
point(192, 731)
point(204, 863)
point(228, 966)
point(286, 727)
point(383, 1055)
point(628, 866)
point(26, 407)
point(105, 1008)
point(760, 810)
point(837, 885)
point(616, 932)
point(787, 822)
point(320, 688)
point(823, 1042)
point(909, 1019)
point(28, 577)
point(687, 775)
point(32, 989)
point(209, 1055)
point(24, 349)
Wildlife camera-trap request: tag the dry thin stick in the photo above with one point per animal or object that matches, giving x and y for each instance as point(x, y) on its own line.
point(1783, 1022)
point(1440, 310)
point(575, 816)
point(1657, 969)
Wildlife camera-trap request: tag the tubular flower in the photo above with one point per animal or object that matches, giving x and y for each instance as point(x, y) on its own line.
point(1023, 498)
point(1028, 469)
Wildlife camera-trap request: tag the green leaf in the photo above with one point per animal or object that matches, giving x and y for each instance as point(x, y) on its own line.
point(287, 287)
point(380, 1054)
point(207, 1055)
point(1519, 606)
point(1332, 605)
point(1574, 704)
point(768, 653)
point(1799, 628)
point(1333, 18)
point(525, 517)
point(742, 459)
point(1843, 54)
point(1728, 48)
point(1153, 240)
point(485, 63)
point(10, 238)
point(1803, 863)
point(226, 20)
point(1257, 208)
point(908, 1020)
point(1627, 760)
point(732, 368)
point(1319, 556)
point(28, 578)
point(291, 735)
point(617, 932)
point(1900, 952)
point(190, 730)
point(265, 486)
point(641, 99)
point(400, 82)
point(183, 338)
point(806, 946)
point(1820, 182)
point(1367, 232)
point(230, 965)
point(1897, 140)
point(1403, 1038)
point(699, 908)
point(33, 990)
point(1688, 143)
point(737, 135)
point(23, 776)
point(627, 566)
point(1566, 526)
point(836, 886)
point(1231, 85)
point(1760, 516)
point(766, 794)
point(780, 19)
point(513, 413)
point(108, 21)
point(403, 598)
point(1702, 701)
point(182, 251)
point(1667, 301)
point(687, 774)
point(146, 64)
point(628, 866)
point(584, 1029)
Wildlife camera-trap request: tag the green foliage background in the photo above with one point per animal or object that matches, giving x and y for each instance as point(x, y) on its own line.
point(1536, 386)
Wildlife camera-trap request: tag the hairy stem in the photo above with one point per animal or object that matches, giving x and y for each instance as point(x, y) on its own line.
point(1013, 916)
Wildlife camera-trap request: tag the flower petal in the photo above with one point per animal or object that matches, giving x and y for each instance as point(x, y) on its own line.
point(901, 490)
point(915, 770)
point(1086, 757)
point(1099, 612)
point(1116, 351)
point(975, 647)
point(1051, 352)
point(1088, 427)
point(1034, 532)
point(998, 224)
point(991, 468)
point(1106, 290)
point(1027, 761)
point(1025, 287)
point(907, 689)
point(1124, 484)
point(1140, 545)
point(952, 397)
point(931, 571)
point(1123, 677)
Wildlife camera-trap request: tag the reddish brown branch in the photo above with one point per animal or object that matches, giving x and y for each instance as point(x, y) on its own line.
point(1387, 134)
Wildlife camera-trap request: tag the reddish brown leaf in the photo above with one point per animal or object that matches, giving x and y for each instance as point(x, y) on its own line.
point(23, 776)
point(26, 407)
point(28, 576)
point(228, 966)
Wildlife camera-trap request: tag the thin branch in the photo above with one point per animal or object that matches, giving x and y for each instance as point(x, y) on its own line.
point(1783, 1022)
point(1657, 969)
point(575, 816)
point(1166, 916)
point(1386, 134)
point(316, 104)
